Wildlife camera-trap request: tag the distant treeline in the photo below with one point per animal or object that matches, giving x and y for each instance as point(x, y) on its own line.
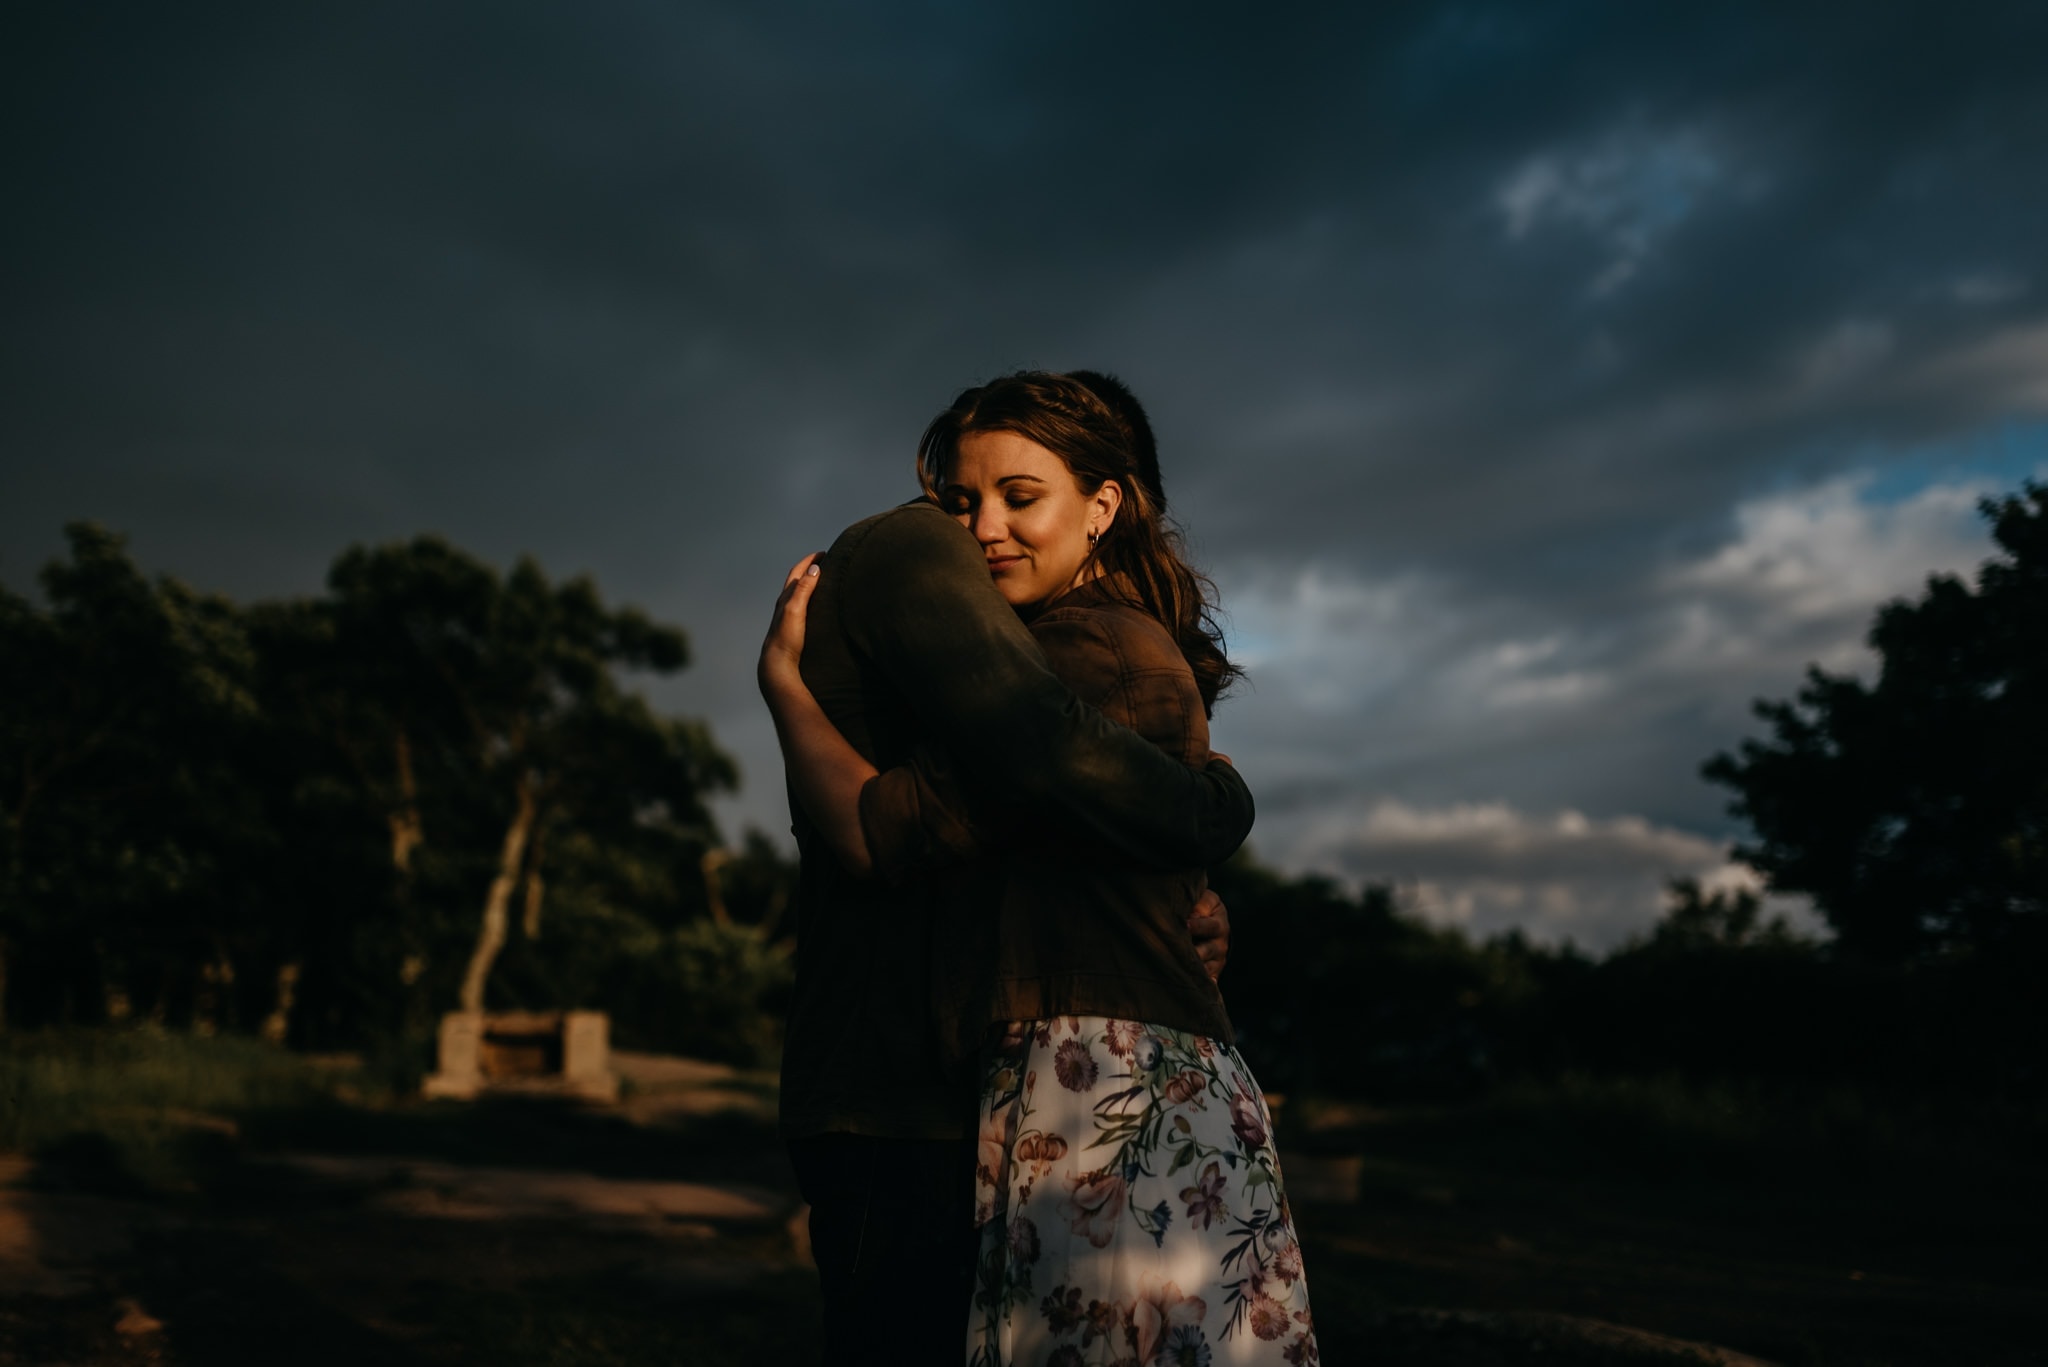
point(1912, 810)
point(328, 820)
point(1342, 994)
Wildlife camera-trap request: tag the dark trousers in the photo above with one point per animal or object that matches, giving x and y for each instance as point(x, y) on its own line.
point(892, 1230)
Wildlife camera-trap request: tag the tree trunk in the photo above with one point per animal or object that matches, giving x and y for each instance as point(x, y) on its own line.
point(406, 829)
point(277, 1026)
point(714, 894)
point(531, 920)
point(210, 997)
point(535, 888)
point(497, 906)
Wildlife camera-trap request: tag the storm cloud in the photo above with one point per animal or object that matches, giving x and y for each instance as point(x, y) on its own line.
point(1541, 383)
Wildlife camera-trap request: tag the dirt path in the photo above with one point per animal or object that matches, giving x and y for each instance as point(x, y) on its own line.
point(667, 1229)
point(637, 1230)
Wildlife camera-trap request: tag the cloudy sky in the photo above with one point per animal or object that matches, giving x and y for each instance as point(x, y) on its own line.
point(1541, 382)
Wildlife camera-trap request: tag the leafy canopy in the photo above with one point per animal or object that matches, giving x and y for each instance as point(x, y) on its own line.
point(1915, 811)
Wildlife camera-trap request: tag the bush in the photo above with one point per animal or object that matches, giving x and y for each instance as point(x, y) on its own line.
point(713, 991)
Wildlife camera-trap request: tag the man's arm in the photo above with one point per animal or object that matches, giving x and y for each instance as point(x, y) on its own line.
point(917, 600)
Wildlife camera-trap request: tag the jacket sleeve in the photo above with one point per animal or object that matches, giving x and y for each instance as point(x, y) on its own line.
point(917, 601)
point(915, 816)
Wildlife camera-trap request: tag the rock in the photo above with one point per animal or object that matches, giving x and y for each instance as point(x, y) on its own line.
point(135, 1322)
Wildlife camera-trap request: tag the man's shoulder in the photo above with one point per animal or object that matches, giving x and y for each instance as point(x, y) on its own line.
point(906, 524)
point(892, 555)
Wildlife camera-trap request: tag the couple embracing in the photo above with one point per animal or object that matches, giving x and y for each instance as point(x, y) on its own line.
point(1009, 1088)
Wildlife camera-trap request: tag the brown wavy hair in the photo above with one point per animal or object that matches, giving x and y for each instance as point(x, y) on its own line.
point(1096, 426)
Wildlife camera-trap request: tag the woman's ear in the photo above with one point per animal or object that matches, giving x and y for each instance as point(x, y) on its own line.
point(1104, 503)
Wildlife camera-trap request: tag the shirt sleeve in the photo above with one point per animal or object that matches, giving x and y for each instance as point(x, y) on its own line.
point(917, 602)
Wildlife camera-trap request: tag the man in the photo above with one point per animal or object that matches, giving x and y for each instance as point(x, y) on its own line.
point(908, 641)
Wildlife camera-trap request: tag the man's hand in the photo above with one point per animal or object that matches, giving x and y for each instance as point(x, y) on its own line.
point(1209, 926)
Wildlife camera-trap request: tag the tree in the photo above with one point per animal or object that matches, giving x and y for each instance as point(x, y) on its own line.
point(1915, 811)
point(323, 818)
point(125, 819)
point(1724, 918)
point(483, 719)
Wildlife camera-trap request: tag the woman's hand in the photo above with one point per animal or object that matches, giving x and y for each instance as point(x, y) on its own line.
point(825, 772)
point(782, 653)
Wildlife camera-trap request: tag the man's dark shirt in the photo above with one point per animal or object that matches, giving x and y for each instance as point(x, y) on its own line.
point(907, 640)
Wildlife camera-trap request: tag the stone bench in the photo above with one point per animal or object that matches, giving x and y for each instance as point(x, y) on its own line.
point(525, 1053)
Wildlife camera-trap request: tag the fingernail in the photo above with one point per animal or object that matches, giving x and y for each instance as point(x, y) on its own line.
point(812, 570)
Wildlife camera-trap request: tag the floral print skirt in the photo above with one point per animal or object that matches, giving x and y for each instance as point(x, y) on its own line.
point(1130, 1205)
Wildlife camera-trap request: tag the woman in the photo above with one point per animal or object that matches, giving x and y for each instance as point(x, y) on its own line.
point(1127, 1191)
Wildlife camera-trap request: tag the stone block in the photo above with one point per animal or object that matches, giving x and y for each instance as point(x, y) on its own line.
point(527, 1053)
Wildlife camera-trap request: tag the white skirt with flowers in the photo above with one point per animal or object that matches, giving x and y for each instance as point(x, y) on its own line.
point(1130, 1205)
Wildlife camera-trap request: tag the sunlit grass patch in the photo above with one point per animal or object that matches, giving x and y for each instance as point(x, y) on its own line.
point(140, 1107)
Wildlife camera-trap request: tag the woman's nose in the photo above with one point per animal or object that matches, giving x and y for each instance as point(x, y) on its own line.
point(988, 526)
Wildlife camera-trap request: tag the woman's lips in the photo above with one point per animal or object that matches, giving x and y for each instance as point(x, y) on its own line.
point(998, 563)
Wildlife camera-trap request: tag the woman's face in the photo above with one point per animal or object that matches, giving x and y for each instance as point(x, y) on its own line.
point(1031, 519)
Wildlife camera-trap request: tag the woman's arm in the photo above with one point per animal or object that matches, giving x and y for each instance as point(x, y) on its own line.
point(825, 772)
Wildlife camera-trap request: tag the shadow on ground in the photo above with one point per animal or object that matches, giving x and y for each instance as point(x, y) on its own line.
point(663, 1229)
point(667, 1229)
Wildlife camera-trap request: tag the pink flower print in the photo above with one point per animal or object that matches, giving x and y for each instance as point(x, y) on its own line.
point(1075, 1066)
point(1247, 1118)
point(1268, 1317)
point(1096, 1201)
point(1286, 1264)
point(1040, 1152)
point(1205, 1198)
point(1062, 1309)
point(991, 1151)
point(1161, 1309)
point(1185, 1087)
point(1107, 1320)
point(1119, 1036)
point(1302, 1352)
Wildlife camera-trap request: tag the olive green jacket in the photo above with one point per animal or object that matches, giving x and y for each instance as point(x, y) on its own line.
point(909, 643)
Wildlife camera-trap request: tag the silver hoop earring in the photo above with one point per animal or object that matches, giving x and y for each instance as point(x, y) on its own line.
point(1093, 537)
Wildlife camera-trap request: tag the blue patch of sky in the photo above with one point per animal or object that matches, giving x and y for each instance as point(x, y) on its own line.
point(2004, 457)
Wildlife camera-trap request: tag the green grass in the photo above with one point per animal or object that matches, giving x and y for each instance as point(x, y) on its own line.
point(142, 1108)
